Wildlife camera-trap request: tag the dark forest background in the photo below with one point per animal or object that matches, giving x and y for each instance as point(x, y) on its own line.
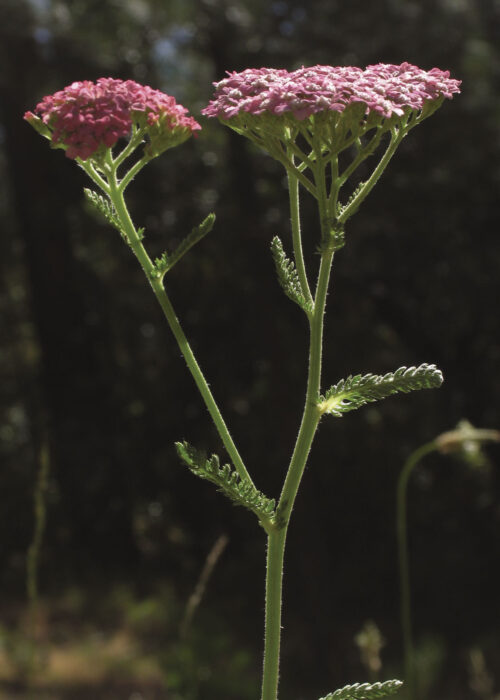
point(87, 362)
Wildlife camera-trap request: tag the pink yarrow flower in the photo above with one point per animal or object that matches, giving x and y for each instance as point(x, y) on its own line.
point(87, 117)
point(384, 89)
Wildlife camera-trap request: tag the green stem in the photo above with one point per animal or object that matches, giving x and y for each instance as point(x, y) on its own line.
point(277, 537)
point(397, 136)
point(275, 148)
point(135, 141)
point(404, 569)
point(274, 594)
point(147, 265)
point(310, 419)
point(293, 187)
point(311, 415)
point(296, 151)
point(133, 172)
point(93, 174)
point(363, 153)
point(334, 187)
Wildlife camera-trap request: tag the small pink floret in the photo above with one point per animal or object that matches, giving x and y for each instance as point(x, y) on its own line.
point(86, 116)
point(384, 88)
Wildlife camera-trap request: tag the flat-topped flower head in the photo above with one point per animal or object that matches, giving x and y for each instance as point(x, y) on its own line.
point(309, 117)
point(86, 118)
point(383, 89)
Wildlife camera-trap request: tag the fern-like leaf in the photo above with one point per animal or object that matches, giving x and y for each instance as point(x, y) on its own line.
point(354, 392)
point(288, 276)
point(240, 491)
point(104, 206)
point(196, 234)
point(162, 264)
point(365, 691)
point(341, 208)
point(167, 260)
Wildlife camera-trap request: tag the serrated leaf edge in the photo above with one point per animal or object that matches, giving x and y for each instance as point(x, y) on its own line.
point(364, 691)
point(240, 491)
point(288, 276)
point(167, 260)
point(104, 206)
point(358, 390)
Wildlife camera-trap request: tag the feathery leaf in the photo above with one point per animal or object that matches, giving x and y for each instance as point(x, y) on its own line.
point(104, 206)
point(166, 262)
point(288, 276)
point(240, 491)
point(162, 264)
point(354, 392)
point(365, 691)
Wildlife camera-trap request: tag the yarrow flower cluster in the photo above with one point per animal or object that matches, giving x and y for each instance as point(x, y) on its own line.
point(385, 89)
point(306, 118)
point(86, 117)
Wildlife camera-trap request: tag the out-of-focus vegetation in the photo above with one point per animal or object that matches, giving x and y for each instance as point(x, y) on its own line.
point(85, 358)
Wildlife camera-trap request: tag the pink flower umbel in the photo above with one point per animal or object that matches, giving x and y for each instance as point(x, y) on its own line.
point(306, 118)
point(383, 89)
point(87, 118)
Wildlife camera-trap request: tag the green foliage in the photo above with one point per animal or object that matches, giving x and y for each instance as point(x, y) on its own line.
point(354, 392)
point(162, 264)
point(288, 276)
point(166, 261)
point(334, 239)
point(342, 207)
point(365, 691)
point(104, 206)
point(240, 491)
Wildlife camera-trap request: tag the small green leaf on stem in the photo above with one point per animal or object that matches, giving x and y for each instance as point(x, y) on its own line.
point(334, 239)
point(197, 233)
point(354, 392)
point(104, 206)
point(342, 207)
point(162, 264)
point(365, 691)
point(288, 276)
point(240, 491)
point(167, 261)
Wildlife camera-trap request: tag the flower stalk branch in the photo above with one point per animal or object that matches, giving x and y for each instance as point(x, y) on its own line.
point(116, 196)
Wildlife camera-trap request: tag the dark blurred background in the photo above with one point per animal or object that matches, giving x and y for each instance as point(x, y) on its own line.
point(88, 365)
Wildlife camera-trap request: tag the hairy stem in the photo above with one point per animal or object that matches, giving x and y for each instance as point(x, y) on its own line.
point(311, 415)
point(274, 595)
point(293, 188)
point(397, 136)
point(307, 430)
point(116, 195)
point(137, 137)
point(133, 172)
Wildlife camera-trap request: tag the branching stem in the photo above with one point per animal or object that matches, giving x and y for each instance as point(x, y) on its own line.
point(307, 430)
point(116, 195)
point(293, 187)
point(397, 135)
point(327, 203)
